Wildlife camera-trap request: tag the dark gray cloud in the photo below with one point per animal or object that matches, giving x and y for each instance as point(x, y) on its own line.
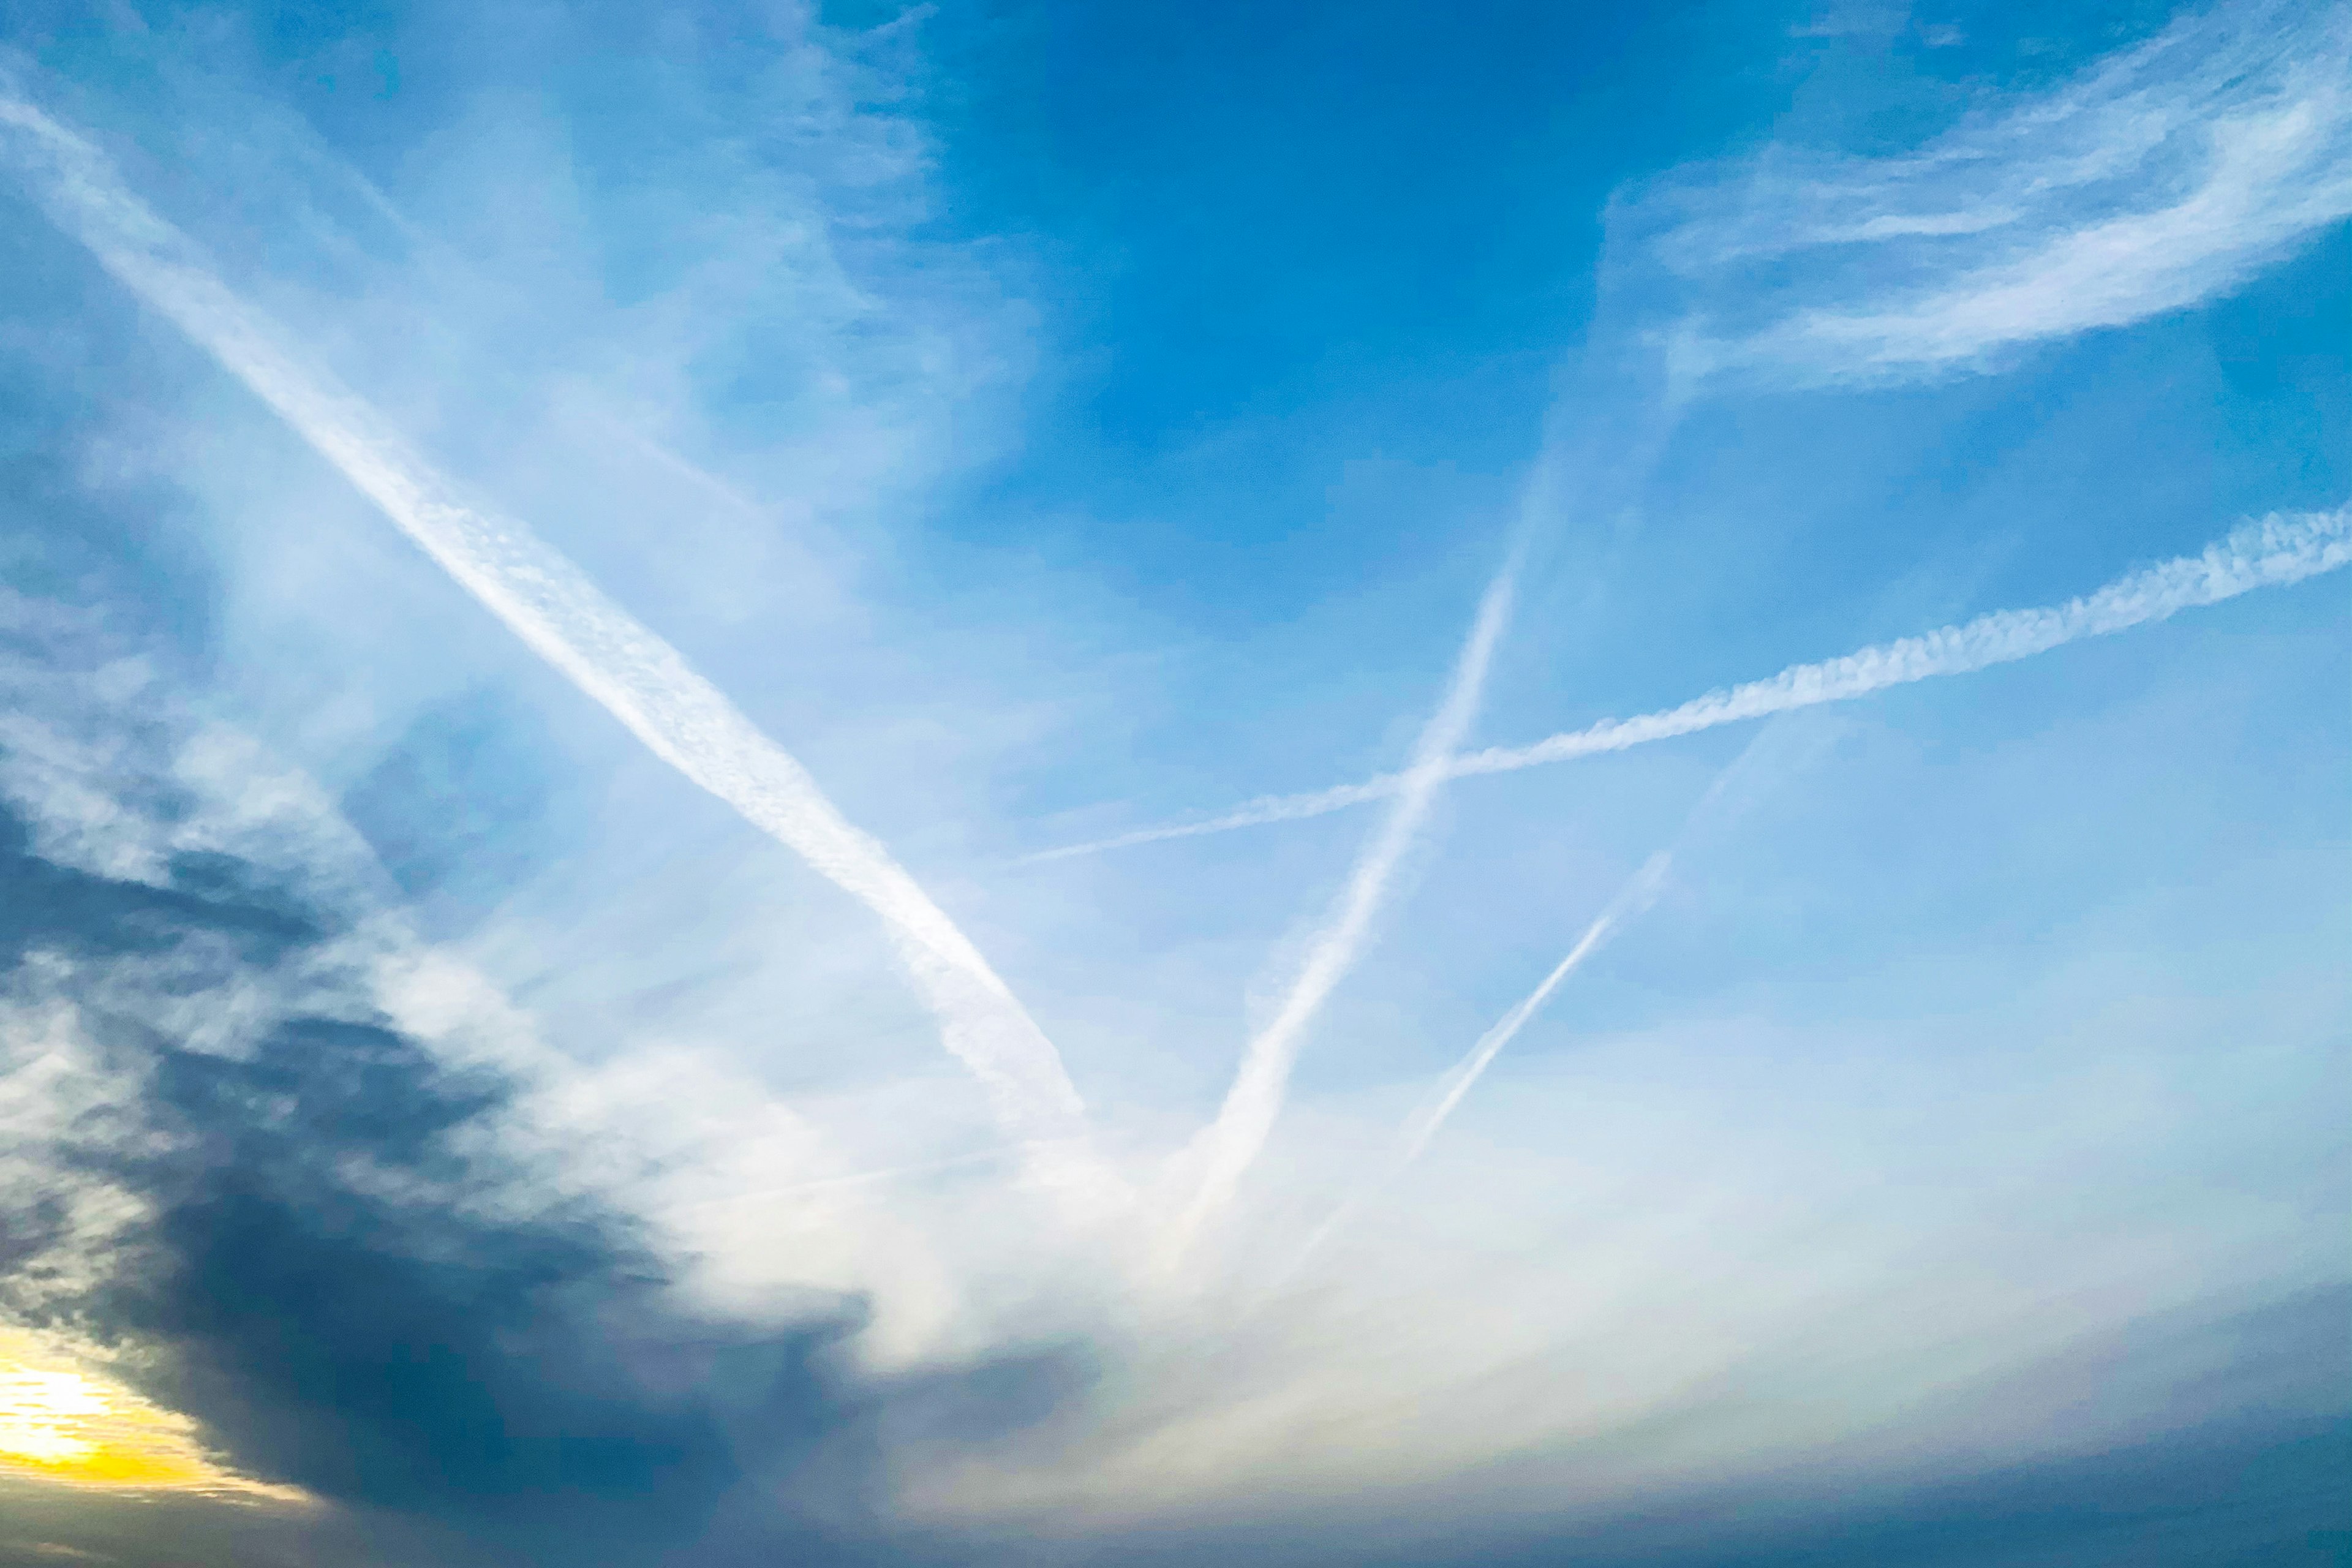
point(316, 1234)
point(341, 1277)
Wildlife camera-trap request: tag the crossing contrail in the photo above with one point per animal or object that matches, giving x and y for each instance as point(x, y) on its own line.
point(2279, 549)
point(563, 618)
point(1226, 1148)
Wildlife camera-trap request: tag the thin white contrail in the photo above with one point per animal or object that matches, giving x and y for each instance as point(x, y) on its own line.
point(2279, 549)
point(553, 607)
point(1638, 893)
point(1226, 1148)
point(1639, 890)
point(1421, 1126)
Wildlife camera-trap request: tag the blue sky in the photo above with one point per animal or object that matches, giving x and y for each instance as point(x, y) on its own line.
point(674, 678)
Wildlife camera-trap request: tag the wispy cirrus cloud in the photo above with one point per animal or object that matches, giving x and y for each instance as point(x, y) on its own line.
point(2156, 178)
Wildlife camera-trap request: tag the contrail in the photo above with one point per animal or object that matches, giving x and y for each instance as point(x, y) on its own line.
point(2279, 549)
point(1636, 895)
point(552, 607)
point(1639, 891)
point(1225, 1148)
point(1417, 1132)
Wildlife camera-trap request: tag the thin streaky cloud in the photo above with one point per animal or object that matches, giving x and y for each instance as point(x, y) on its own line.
point(1228, 1146)
point(562, 616)
point(2281, 549)
point(2157, 178)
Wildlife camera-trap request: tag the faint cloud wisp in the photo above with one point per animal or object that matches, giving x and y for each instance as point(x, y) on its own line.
point(2155, 179)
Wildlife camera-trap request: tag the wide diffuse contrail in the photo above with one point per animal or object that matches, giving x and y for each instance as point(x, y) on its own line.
point(553, 607)
point(2279, 549)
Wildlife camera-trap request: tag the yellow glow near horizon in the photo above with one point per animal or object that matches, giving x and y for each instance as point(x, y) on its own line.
point(63, 1419)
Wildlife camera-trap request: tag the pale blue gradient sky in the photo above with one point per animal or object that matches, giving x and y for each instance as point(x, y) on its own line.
point(1051, 421)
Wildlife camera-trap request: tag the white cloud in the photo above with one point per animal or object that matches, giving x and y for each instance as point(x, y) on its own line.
point(2155, 179)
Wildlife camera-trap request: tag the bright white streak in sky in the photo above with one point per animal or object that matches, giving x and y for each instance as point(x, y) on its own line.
point(1630, 900)
point(2279, 549)
point(2159, 177)
point(563, 618)
point(1228, 1146)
